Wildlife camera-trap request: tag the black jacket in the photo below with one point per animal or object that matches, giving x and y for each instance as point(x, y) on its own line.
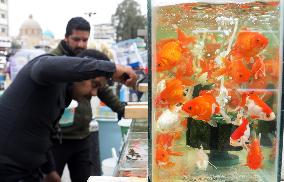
point(35, 101)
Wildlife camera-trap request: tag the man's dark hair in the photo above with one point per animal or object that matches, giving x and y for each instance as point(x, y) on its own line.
point(93, 53)
point(77, 23)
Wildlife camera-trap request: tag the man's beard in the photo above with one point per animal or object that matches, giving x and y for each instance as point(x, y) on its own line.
point(77, 51)
point(73, 51)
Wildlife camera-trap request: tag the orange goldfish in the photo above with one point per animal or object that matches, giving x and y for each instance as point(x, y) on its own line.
point(207, 66)
point(244, 6)
point(233, 93)
point(248, 44)
point(163, 156)
point(170, 51)
point(273, 3)
point(173, 93)
point(185, 70)
point(254, 157)
point(272, 67)
point(184, 123)
point(238, 72)
point(241, 134)
point(184, 39)
point(202, 107)
point(235, 98)
point(210, 49)
point(235, 69)
point(165, 139)
point(258, 68)
point(169, 54)
point(177, 135)
point(256, 108)
point(188, 6)
point(260, 83)
point(160, 102)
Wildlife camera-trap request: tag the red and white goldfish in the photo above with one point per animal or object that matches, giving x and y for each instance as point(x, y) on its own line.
point(248, 44)
point(202, 107)
point(256, 108)
point(254, 157)
point(241, 135)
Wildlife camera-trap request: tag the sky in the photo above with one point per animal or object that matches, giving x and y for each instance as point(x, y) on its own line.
point(53, 15)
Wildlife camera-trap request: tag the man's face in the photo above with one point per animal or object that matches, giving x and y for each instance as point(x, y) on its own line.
point(88, 87)
point(77, 41)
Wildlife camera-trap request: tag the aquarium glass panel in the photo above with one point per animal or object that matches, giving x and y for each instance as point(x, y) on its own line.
point(216, 90)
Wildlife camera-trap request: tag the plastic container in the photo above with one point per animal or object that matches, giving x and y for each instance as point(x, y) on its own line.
point(109, 136)
point(68, 115)
point(124, 127)
point(95, 150)
point(2, 80)
point(108, 165)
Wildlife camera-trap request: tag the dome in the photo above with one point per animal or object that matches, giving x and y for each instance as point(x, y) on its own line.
point(30, 33)
point(30, 24)
point(48, 34)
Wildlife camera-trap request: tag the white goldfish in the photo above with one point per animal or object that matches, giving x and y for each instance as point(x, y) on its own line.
point(169, 120)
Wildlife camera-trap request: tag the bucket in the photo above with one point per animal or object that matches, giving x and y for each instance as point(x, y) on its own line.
point(108, 165)
point(124, 127)
point(2, 81)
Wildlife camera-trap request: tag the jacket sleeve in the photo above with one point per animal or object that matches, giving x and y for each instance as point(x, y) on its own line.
point(49, 165)
point(57, 69)
point(106, 95)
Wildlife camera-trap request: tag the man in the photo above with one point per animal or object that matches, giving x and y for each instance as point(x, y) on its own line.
point(35, 101)
point(66, 152)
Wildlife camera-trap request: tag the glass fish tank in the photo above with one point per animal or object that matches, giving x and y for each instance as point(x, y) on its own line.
point(216, 90)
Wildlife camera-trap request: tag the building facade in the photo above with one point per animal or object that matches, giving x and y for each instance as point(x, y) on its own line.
point(5, 41)
point(30, 33)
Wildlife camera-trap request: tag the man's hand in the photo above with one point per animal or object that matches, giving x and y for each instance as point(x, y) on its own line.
point(53, 176)
point(125, 75)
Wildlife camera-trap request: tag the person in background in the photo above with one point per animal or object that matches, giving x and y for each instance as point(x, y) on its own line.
point(78, 134)
point(32, 105)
